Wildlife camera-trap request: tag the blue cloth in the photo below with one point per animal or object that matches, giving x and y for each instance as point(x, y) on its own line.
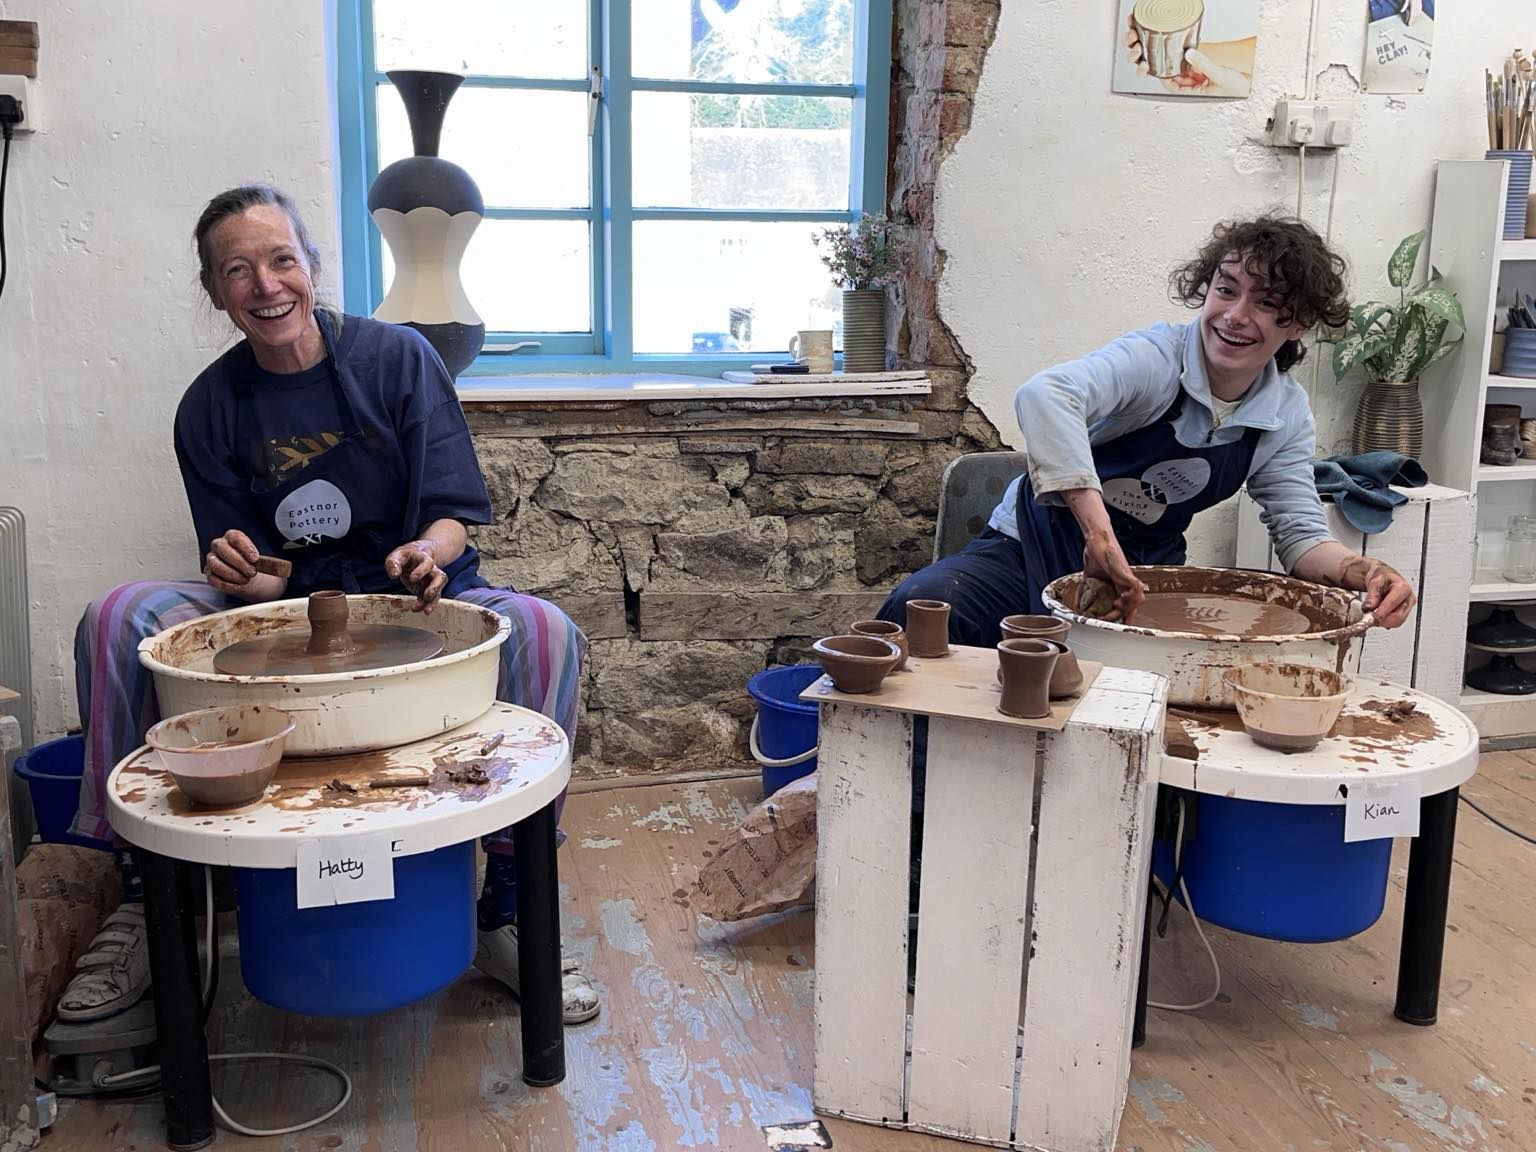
point(1152, 485)
point(334, 467)
point(1361, 486)
point(1069, 412)
point(1381, 9)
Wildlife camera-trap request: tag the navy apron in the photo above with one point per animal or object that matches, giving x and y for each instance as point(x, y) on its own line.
point(335, 516)
point(1153, 486)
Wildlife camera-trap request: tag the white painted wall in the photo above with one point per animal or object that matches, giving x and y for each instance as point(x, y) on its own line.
point(1065, 206)
point(147, 112)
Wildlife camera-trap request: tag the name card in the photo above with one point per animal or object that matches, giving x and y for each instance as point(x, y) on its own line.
point(1380, 811)
point(348, 871)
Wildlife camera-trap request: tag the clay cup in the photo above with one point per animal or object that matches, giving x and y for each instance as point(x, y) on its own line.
point(1026, 666)
point(928, 628)
point(885, 630)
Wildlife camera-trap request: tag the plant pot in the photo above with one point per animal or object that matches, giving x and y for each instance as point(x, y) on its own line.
point(427, 208)
point(864, 330)
point(1391, 418)
point(1516, 193)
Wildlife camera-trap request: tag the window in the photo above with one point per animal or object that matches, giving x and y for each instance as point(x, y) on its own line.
point(654, 171)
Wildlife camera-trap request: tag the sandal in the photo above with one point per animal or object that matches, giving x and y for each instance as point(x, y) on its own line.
point(113, 975)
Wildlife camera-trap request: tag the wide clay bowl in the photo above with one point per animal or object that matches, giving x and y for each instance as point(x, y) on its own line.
point(856, 664)
point(886, 630)
point(221, 757)
point(1287, 706)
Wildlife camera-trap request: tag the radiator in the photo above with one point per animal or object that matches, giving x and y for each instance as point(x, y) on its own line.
point(15, 627)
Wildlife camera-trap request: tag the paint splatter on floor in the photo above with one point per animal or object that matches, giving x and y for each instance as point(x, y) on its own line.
point(1148, 1093)
point(1486, 1086)
point(1313, 1016)
point(1458, 1126)
point(600, 842)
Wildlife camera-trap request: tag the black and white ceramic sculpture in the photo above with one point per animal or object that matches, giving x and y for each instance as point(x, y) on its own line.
point(428, 208)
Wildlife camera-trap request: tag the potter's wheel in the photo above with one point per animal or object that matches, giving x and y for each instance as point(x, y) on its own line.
point(1217, 614)
point(331, 644)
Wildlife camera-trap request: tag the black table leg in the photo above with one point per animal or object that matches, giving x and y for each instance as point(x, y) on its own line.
point(1424, 910)
point(538, 948)
point(1139, 1023)
point(169, 910)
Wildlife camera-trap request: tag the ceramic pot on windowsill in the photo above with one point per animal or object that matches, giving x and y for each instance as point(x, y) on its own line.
point(1390, 417)
point(864, 330)
point(428, 208)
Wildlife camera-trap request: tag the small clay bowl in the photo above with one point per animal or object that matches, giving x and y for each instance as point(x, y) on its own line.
point(1027, 627)
point(222, 757)
point(1290, 707)
point(886, 630)
point(857, 664)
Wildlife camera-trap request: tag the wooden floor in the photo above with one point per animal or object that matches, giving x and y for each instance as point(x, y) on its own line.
point(706, 1030)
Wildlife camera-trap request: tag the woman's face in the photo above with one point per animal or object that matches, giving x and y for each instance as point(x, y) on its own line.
point(1241, 325)
point(260, 277)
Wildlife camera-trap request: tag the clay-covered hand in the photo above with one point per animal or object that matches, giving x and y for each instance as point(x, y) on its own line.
point(1104, 559)
point(415, 566)
point(1388, 596)
point(230, 567)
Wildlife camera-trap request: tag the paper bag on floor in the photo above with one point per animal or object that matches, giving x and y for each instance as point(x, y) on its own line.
point(769, 862)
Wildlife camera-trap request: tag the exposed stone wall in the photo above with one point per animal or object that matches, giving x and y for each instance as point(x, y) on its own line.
point(698, 543)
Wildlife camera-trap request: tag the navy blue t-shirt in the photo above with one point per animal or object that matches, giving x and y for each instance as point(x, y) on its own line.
point(336, 466)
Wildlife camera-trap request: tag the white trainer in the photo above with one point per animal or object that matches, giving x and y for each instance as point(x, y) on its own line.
point(496, 956)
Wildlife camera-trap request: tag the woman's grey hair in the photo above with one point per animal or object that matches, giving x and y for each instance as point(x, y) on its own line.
point(242, 199)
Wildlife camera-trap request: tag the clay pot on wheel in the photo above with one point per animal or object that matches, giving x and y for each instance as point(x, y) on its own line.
point(928, 628)
point(856, 664)
point(1026, 667)
point(328, 624)
point(885, 630)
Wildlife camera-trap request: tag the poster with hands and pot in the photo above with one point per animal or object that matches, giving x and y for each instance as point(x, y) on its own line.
point(1200, 48)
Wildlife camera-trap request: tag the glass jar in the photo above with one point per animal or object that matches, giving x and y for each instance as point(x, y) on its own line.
point(1520, 550)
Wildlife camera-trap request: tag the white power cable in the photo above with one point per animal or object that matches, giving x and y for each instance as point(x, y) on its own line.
point(1178, 855)
point(211, 958)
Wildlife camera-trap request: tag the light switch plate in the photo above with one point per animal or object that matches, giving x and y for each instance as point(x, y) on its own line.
point(1313, 123)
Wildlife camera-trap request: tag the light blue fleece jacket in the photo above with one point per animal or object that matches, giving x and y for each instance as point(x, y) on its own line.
point(1127, 385)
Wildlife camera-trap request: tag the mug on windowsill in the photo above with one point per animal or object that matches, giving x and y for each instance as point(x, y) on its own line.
point(813, 348)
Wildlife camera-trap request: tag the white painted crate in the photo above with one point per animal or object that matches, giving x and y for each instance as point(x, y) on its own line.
point(1036, 852)
point(1432, 542)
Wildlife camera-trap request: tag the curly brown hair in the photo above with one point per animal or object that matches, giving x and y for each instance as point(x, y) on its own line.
point(1302, 272)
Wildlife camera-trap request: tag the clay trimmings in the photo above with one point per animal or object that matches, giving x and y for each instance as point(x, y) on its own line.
point(1168, 15)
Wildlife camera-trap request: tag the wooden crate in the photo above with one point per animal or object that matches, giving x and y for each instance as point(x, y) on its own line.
point(1036, 850)
point(1432, 542)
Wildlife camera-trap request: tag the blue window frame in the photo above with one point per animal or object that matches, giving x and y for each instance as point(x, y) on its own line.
point(741, 230)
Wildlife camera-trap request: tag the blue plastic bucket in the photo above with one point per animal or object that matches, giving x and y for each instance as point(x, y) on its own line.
point(359, 959)
point(785, 727)
point(52, 771)
point(1282, 871)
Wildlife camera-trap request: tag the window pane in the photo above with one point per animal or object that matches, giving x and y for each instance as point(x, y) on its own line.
point(707, 286)
point(745, 41)
point(693, 151)
point(542, 38)
point(524, 149)
point(527, 275)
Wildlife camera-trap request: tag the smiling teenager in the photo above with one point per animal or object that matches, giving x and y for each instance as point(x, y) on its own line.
point(1128, 443)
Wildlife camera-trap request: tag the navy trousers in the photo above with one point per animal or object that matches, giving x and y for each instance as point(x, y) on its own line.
point(981, 583)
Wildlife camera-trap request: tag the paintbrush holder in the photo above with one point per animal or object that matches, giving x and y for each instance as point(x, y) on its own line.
point(1517, 191)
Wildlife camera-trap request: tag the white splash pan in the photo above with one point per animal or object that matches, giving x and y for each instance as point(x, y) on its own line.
point(347, 711)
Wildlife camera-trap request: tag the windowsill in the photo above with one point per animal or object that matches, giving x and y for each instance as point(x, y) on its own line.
point(651, 386)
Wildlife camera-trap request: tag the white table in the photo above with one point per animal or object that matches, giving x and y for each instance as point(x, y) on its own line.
point(1437, 746)
point(527, 771)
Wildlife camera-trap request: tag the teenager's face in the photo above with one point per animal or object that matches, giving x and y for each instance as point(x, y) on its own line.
point(1242, 324)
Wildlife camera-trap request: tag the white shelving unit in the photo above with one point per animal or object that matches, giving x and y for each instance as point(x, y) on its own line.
point(1485, 271)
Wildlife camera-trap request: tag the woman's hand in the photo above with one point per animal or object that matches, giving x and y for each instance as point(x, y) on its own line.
point(415, 566)
point(1103, 558)
point(230, 567)
point(1388, 596)
point(1213, 69)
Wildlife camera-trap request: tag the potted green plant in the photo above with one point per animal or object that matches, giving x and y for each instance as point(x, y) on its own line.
point(862, 261)
point(1393, 344)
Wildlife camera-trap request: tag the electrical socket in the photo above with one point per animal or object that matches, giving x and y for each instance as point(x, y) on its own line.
point(1313, 123)
point(24, 88)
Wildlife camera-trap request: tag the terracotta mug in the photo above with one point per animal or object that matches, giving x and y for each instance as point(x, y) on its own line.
point(1026, 666)
point(1026, 627)
point(885, 630)
point(928, 628)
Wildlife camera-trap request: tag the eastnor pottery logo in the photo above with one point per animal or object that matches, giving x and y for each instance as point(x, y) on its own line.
point(314, 511)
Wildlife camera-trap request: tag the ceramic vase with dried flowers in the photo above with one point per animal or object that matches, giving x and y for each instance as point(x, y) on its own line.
point(862, 261)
